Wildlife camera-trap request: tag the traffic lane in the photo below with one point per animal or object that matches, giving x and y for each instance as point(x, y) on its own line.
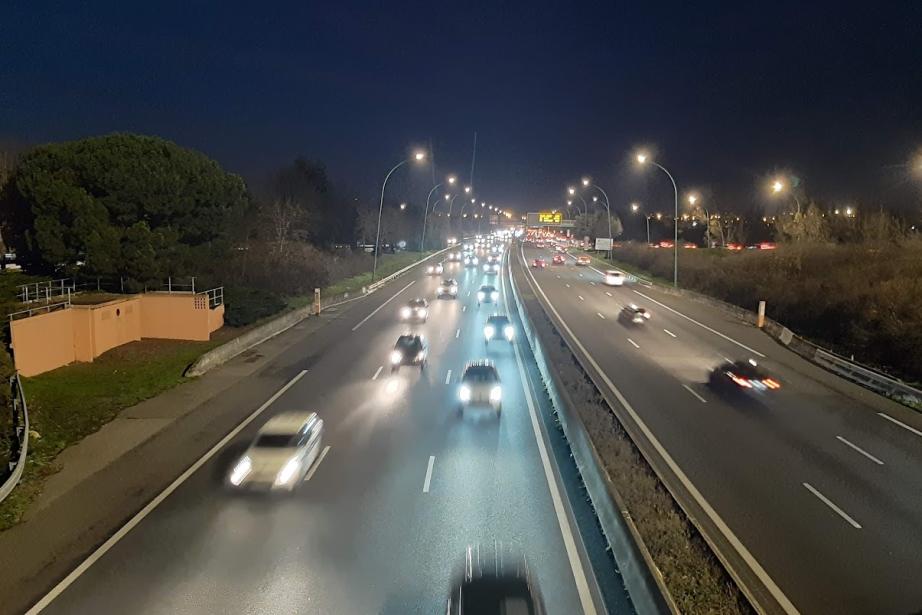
point(728, 415)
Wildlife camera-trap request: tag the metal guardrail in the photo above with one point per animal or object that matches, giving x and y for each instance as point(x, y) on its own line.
point(865, 376)
point(45, 291)
point(215, 297)
point(17, 462)
point(52, 307)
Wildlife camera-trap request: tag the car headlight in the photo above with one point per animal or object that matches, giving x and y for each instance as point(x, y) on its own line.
point(464, 393)
point(396, 356)
point(241, 471)
point(421, 355)
point(496, 394)
point(488, 331)
point(454, 290)
point(486, 267)
point(440, 290)
point(422, 312)
point(405, 312)
point(494, 295)
point(288, 472)
point(430, 269)
point(509, 332)
point(475, 260)
point(480, 295)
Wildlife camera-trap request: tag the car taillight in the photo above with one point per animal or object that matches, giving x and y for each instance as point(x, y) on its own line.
point(771, 383)
point(743, 382)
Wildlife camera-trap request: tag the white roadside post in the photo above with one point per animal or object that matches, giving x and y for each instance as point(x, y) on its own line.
point(761, 320)
point(317, 301)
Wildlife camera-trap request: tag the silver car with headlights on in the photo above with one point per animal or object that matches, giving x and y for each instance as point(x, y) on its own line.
point(415, 310)
point(447, 289)
point(498, 327)
point(280, 454)
point(487, 294)
point(480, 386)
point(435, 269)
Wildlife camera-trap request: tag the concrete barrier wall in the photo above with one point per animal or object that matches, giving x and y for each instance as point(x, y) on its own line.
point(43, 342)
point(174, 316)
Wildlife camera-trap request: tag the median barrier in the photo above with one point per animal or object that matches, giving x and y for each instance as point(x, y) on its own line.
point(642, 578)
point(254, 337)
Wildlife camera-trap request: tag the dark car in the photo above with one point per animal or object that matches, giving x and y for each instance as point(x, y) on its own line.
point(633, 315)
point(742, 377)
point(447, 289)
point(498, 327)
point(487, 294)
point(480, 386)
point(558, 259)
point(415, 309)
point(495, 581)
point(409, 350)
point(539, 263)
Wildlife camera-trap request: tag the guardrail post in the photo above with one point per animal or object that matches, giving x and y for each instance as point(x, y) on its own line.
point(760, 322)
point(317, 301)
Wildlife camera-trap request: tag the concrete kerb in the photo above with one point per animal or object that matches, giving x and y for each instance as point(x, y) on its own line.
point(642, 578)
point(227, 351)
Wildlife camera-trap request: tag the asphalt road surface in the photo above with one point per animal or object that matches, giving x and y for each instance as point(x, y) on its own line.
point(823, 490)
point(381, 523)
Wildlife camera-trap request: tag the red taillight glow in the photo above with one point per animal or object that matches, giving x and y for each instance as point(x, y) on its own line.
point(743, 382)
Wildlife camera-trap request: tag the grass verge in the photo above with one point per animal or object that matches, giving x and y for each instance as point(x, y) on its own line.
point(695, 578)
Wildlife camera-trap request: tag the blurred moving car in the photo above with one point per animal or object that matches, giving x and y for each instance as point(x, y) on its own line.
point(492, 265)
point(558, 259)
point(583, 261)
point(495, 581)
point(498, 326)
point(454, 257)
point(281, 453)
point(480, 386)
point(409, 350)
point(447, 289)
point(470, 260)
point(487, 294)
point(634, 315)
point(614, 278)
point(415, 310)
point(742, 377)
point(539, 263)
point(435, 269)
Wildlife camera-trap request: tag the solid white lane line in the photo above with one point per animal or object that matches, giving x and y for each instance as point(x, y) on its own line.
point(134, 521)
point(832, 505)
point(580, 275)
point(669, 333)
point(580, 297)
point(448, 377)
point(860, 450)
point(633, 343)
point(703, 326)
point(692, 391)
point(323, 453)
point(377, 373)
point(364, 320)
point(569, 542)
point(468, 293)
point(608, 293)
point(463, 308)
point(901, 424)
point(428, 474)
point(457, 333)
point(785, 603)
point(599, 314)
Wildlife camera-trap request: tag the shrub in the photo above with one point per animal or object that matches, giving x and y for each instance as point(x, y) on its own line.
point(244, 306)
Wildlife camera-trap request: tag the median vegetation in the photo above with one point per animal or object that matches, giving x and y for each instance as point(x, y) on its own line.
point(694, 577)
point(861, 299)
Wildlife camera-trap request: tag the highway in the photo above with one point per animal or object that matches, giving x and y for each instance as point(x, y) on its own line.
point(403, 486)
point(820, 485)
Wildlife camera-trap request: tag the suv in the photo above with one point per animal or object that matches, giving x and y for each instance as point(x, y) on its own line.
point(614, 277)
point(498, 325)
point(448, 288)
point(416, 309)
point(487, 294)
point(409, 350)
point(480, 386)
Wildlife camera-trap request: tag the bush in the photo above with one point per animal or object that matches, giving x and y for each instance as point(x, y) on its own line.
point(244, 306)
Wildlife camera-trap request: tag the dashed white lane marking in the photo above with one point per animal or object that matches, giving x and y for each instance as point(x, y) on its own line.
point(310, 473)
point(580, 297)
point(669, 333)
point(568, 286)
point(857, 448)
point(377, 373)
point(448, 377)
point(463, 308)
point(633, 343)
point(692, 391)
point(457, 333)
point(900, 423)
point(377, 309)
point(599, 314)
point(591, 283)
point(608, 293)
point(832, 505)
point(428, 474)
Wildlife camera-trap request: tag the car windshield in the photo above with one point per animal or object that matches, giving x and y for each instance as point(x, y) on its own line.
point(499, 321)
point(406, 342)
point(418, 303)
point(448, 282)
point(497, 596)
point(274, 440)
point(487, 289)
point(480, 373)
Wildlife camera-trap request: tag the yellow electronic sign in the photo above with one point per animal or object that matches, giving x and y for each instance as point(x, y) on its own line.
point(550, 217)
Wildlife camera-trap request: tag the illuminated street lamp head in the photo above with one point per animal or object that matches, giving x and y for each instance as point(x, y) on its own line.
point(659, 216)
point(849, 211)
point(635, 207)
point(569, 202)
point(483, 204)
point(641, 158)
point(777, 186)
point(403, 206)
point(467, 189)
point(447, 196)
point(473, 200)
point(571, 190)
point(595, 199)
point(692, 199)
point(452, 179)
point(585, 181)
point(419, 156)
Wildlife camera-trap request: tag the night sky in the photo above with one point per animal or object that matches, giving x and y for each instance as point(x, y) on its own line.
point(726, 93)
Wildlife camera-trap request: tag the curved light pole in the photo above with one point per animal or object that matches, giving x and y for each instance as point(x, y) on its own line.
point(692, 200)
point(636, 208)
point(779, 186)
point(422, 241)
point(418, 157)
point(588, 184)
point(461, 213)
point(643, 159)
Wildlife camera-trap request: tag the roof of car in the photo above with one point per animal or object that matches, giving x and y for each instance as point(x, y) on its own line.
point(449, 281)
point(494, 317)
point(486, 287)
point(418, 301)
point(409, 339)
point(287, 422)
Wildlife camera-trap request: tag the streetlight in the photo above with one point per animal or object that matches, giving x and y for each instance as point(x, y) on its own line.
point(417, 157)
point(403, 206)
point(451, 180)
point(642, 158)
point(467, 189)
point(587, 182)
point(692, 199)
point(779, 186)
point(635, 208)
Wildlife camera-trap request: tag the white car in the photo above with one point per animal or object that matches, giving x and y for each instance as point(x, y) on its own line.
point(281, 453)
point(415, 310)
point(491, 266)
point(487, 294)
point(434, 269)
point(480, 386)
point(614, 278)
